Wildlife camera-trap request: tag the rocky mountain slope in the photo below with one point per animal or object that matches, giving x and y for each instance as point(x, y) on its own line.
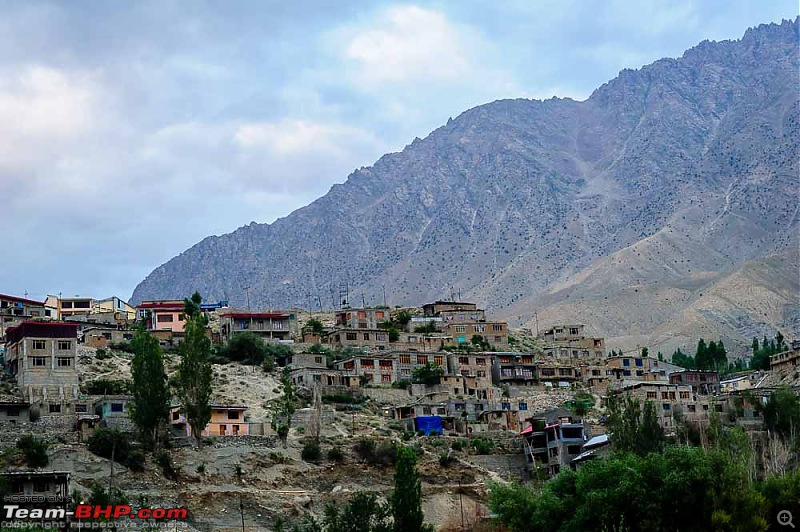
point(669, 180)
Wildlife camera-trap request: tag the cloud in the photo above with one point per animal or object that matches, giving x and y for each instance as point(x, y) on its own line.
point(408, 44)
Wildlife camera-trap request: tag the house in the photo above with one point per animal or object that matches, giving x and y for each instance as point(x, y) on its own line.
point(269, 326)
point(70, 306)
point(42, 357)
point(389, 368)
point(14, 412)
point(120, 309)
point(702, 382)
point(669, 399)
point(787, 360)
point(362, 318)
point(114, 413)
point(495, 333)
point(552, 441)
point(101, 336)
point(596, 447)
point(736, 384)
point(226, 420)
point(164, 315)
point(569, 341)
point(40, 490)
point(14, 310)
point(432, 310)
point(554, 372)
point(478, 365)
point(517, 369)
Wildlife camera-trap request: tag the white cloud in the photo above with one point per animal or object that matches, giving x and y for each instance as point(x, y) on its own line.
point(408, 44)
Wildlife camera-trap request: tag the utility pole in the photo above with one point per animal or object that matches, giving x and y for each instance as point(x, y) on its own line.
point(247, 294)
point(536, 319)
point(241, 511)
point(384, 295)
point(461, 502)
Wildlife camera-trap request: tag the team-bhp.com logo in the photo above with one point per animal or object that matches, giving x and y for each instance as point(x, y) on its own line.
point(14, 512)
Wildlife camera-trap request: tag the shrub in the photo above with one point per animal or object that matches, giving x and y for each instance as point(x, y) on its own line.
point(201, 468)
point(445, 459)
point(105, 442)
point(135, 461)
point(482, 445)
point(121, 346)
point(102, 354)
point(365, 448)
point(35, 451)
point(275, 456)
point(164, 460)
point(311, 452)
point(384, 454)
point(107, 387)
point(335, 454)
point(343, 398)
point(458, 445)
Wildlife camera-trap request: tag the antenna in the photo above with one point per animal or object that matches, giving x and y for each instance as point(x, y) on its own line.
point(363, 301)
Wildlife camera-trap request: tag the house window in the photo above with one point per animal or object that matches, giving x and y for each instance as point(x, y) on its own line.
point(81, 409)
point(523, 406)
point(438, 360)
point(380, 337)
point(505, 406)
point(639, 362)
point(497, 327)
point(405, 359)
point(64, 362)
point(718, 408)
point(626, 362)
point(651, 395)
point(117, 407)
point(639, 372)
point(481, 373)
point(64, 345)
point(41, 487)
point(480, 361)
point(672, 395)
point(573, 331)
point(426, 410)
point(498, 339)
point(441, 411)
point(233, 414)
point(38, 345)
point(479, 328)
point(665, 406)
point(684, 395)
point(573, 449)
point(626, 372)
point(691, 408)
point(422, 359)
point(38, 361)
point(366, 336)
point(664, 395)
point(367, 363)
point(235, 429)
point(55, 409)
point(164, 318)
point(181, 317)
point(461, 328)
point(351, 336)
point(463, 360)
point(386, 364)
point(176, 415)
point(386, 378)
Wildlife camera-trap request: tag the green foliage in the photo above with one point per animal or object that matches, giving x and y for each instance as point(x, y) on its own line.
point(35, 451)
point(768, 348)
point(780, 493)
point(245, 347)
point(782, 413)
point(636, 429)
point(100, 496)
point(107, 387)
point(311, 452)
point(482, 445)
point(149, 386)
point(365, 448)
point(315, 326)
point(401, 384)
point(459, 445)
point(164, 460)
point(343, 398)
point(683, 488)
point(403, 317)
point(107, 442)
point(121, 346)
point(428, 374)
point(428, 328)
point(335, 454)
point(445, 459)
point(283, 408)
point(582, 402)
point(480, 343)
point(406, 498)
point(194, 370)
point(135, 461)
point(362, 513)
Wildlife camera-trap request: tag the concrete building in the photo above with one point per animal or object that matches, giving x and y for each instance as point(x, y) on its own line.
point(40, 490)
point(786, 360)
point(101, 336)
point(14, 310)
point(122, 311)
point(736, 384)
point(668, 399)
point(113, 412)
point(269, 326)
point(513, 369)
point(495, 333)
point(14, 412)
point(42, 358)
point(389, 368)
point(435, 309)
point(560, 373)
point(569, 341)
point(70, 306)
point(163, 315)
point(702, 382)
point(478, 365)
point(362, 318)
point(226, 420)
point(552, 441)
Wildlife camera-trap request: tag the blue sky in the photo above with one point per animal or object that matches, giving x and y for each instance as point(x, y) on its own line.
point(129, 131)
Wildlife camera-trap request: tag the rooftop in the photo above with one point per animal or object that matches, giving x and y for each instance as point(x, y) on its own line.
point(21, 300)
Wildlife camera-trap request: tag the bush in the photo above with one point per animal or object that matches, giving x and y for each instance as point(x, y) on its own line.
point(35, 451)
point(365, 448)
point(164, 460)
point(384, 454)
point(135, 461)
point(107, 387)
point(121, 346)
point(402, 384)
point(458, 445)
point(342, 398)
point(335, 454)
point(105, 442)
point(201, 468)
point(276, 457)
point(445, 459)
point(311, 452)
point(482, 445)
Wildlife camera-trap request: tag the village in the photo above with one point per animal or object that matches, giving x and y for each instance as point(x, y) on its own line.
point(527, 403)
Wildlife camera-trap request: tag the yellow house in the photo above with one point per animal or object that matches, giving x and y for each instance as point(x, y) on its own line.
point(116, 306)
point(226, 420)
point(735, 385)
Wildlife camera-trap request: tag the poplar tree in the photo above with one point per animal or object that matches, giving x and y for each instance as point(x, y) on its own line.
point(406, 500)
point(194, 371)
point(150, 387)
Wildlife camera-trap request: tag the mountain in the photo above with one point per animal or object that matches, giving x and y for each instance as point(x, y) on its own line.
point(667, 180)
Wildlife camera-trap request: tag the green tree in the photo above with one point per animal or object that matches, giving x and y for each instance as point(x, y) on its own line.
point(194, 370)
point(149, 386)
point(362, 513)
point(245, 347)
point(315, 326)
point(635, 428)
point(429, 374)
point(282, 409)
point(35, 451)
point(403, 317)
point(782, 413)
point(645, 352)
point(406, 498)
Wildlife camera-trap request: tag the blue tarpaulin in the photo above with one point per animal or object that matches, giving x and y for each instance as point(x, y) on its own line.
point(429, 424)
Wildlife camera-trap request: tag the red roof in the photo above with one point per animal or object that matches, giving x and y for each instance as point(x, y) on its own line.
point(256, 315)
point(22, 300)
point(162, 305)
point(44, 329)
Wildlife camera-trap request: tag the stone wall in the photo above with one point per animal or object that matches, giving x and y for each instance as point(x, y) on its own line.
point(387, 395)
point(509, 466)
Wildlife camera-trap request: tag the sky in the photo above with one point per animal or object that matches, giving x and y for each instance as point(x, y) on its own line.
point(130, 131)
